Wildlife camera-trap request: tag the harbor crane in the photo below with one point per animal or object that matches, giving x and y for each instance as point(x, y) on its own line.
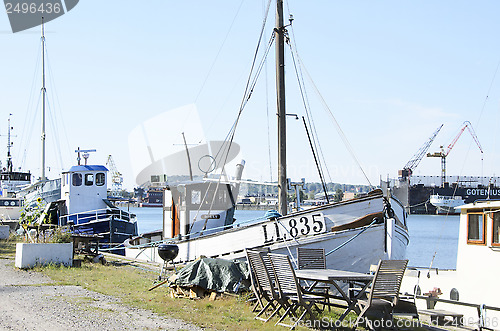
point(443, 154)
point(116, 177)
point(415, 160)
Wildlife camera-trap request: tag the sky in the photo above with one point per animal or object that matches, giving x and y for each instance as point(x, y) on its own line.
point(391, 72)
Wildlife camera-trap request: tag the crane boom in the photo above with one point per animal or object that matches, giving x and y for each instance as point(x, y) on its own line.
point(467, 125)
point(443, 154)
point(415, 160)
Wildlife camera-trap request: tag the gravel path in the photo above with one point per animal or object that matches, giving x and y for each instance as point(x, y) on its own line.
point(25, 305)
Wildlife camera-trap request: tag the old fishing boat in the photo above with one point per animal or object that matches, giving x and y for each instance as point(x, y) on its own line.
point(198, 216)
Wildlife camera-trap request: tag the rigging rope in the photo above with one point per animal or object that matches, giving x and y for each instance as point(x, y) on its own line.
point(226, 146)
point(27, 129)
point(56, 116)
point(337, 125)
point(307, 107)
point(219, 51)
point(342, 135)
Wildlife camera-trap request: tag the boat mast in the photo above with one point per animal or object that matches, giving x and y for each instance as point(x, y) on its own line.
point(44, 91)
point(280, 94)
point(9, 144)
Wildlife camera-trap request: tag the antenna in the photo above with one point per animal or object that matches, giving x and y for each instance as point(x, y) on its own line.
point(85, 154)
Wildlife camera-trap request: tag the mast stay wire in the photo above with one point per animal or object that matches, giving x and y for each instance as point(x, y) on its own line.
point(224, 150)
point(54, 117)
point(58, 116)
point(28, 125)
point(313, 142)
point(307, 107)
point(213, 65)
point(325, 105)
point(251, 82)
point(218, 52)
point(337, 125)
point(463, 163)
point(305, 100)
point(220, 49)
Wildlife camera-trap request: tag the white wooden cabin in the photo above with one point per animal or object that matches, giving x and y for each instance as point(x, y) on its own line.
point(84, 188)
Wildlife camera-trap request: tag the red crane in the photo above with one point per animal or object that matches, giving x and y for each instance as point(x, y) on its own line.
point(443, 154)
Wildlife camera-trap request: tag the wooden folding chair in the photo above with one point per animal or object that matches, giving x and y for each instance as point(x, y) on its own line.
point(313, 258)
point(384, 293)
point(290, 290)
point(264, 285)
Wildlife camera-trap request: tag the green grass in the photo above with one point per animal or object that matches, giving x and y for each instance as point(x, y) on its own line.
point(131, 284)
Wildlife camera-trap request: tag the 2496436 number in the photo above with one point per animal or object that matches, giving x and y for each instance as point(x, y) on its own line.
point(32, 7)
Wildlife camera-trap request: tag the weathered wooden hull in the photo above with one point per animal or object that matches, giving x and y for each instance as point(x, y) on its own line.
point(351, 223)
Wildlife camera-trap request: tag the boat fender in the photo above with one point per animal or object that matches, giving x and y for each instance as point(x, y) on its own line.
point(272, 214)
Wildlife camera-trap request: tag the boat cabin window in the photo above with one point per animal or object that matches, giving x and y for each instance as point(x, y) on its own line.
point(77, 179)
point(476, 229)
point(496, 230)
point(89, 179)
point(100, 178)
point(195, 197)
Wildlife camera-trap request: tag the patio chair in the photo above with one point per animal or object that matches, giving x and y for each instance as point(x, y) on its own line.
point(313, 258)
point(263, 285)
point(290, 290)
point(384, 293)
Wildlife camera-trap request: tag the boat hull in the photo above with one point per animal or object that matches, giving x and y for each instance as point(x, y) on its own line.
point(356, 224)
point(446, 204)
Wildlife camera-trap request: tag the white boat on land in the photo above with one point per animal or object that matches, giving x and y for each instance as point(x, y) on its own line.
point(472, 289)
point(85, 208)
point(446, 204)
point(198, 217)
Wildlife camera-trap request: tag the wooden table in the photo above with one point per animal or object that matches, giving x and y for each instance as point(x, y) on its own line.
point(332, 276)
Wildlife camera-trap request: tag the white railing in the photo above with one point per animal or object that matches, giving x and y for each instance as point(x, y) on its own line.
point(88, 216)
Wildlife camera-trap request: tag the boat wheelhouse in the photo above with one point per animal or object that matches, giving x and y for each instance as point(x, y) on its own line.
point(85, 208)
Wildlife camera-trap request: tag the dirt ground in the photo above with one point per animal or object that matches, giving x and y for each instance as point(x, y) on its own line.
point(25, 305)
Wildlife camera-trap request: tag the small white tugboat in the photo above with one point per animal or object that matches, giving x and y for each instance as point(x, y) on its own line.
point(85, 207)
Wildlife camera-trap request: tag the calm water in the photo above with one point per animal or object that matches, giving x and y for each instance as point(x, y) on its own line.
point(428, 234)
